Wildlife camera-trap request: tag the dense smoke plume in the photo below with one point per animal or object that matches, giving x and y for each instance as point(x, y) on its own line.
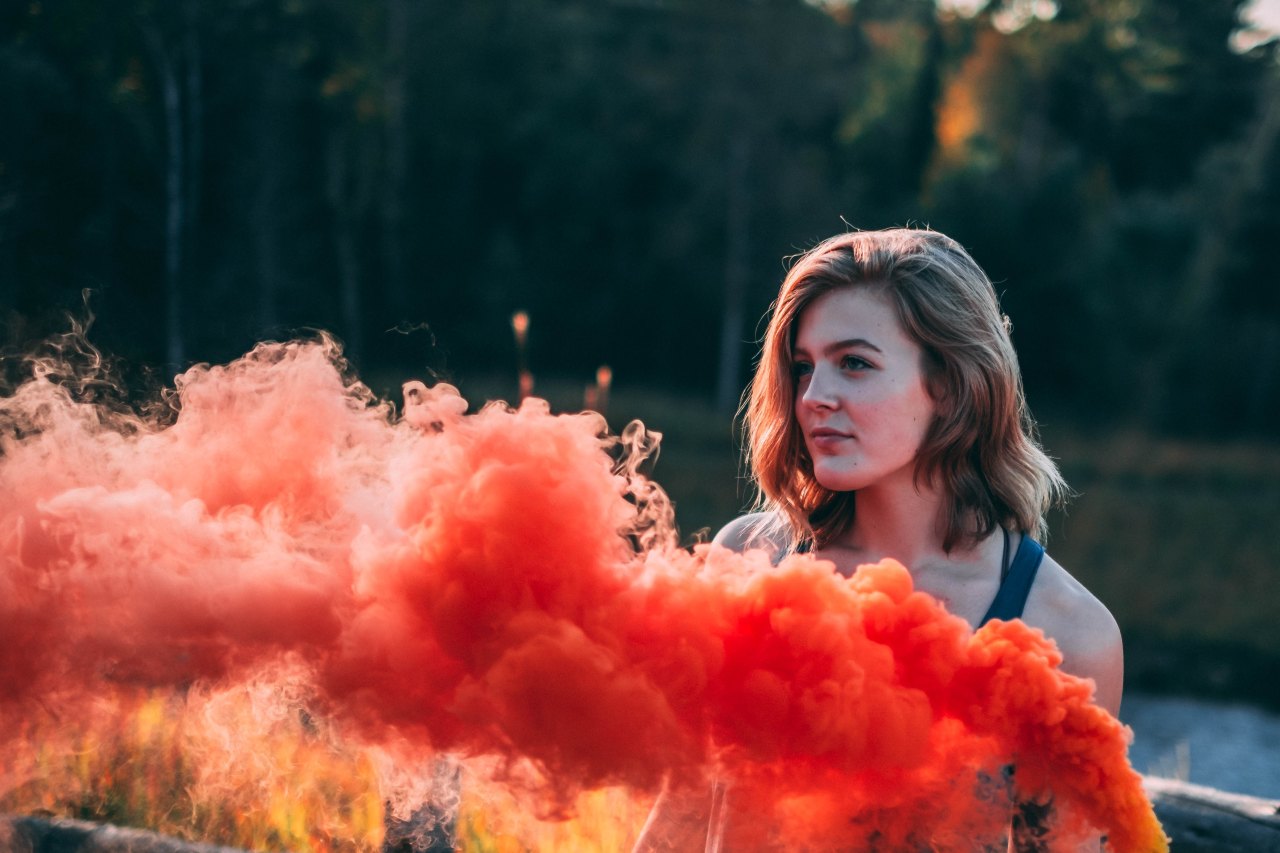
point(503, 585)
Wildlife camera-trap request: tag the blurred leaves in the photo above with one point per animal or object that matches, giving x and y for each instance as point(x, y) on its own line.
point(361, 165)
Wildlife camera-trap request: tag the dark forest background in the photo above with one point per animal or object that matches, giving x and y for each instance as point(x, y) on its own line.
point(632, 173)
point(408, 174)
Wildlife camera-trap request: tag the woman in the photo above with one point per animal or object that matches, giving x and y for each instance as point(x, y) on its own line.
point(887, 419)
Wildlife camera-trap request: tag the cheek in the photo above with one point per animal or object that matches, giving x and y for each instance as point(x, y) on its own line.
point(906, 404)
point(922, 419)
point(922, 402)
point(905, 420)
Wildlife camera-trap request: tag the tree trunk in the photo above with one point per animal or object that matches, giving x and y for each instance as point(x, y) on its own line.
point(175, 201)
point(1265, 363)
point(397, 161)
point(195, 120)
point(737, 242)
point(264, 215)
point(351, 167)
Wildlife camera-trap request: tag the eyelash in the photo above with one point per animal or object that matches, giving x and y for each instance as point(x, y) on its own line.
point(849, 362)
point(853, 362)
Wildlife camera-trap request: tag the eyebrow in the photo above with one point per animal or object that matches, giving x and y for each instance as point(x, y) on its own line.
point(837, 346)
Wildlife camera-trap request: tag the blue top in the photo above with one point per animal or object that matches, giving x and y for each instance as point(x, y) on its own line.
point(1015, 580)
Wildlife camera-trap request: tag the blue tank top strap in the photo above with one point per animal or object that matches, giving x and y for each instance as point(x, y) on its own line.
point(1011, 598)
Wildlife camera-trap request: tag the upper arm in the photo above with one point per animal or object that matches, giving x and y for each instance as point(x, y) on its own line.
point(1087, 636)
point(1099, 656)
point(1084, 630)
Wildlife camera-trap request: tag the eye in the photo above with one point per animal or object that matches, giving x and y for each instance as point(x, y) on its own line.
point(853, 362)
point(800, 369)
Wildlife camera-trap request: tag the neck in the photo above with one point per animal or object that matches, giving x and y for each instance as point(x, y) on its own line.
point(899, 522)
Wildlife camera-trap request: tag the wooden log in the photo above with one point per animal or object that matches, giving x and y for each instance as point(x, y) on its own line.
point(1198, 819)
point(19, 834)
point(1205, 820)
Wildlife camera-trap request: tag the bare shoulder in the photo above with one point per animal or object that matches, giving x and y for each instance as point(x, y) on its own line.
point(763, 530)
point(1083, 628)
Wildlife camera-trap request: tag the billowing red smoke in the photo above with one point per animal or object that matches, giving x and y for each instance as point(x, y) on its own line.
point(498, 584)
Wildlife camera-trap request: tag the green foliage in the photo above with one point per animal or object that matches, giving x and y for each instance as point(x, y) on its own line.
point(372, 166)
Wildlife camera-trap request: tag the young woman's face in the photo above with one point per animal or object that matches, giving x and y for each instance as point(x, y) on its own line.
point(861, 400)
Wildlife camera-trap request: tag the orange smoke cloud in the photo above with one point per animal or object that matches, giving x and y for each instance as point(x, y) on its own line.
point(502, 584)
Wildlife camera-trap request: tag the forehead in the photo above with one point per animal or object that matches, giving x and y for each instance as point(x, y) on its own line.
point(850, 313)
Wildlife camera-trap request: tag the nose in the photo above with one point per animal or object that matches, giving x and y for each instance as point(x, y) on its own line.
point(816, 389)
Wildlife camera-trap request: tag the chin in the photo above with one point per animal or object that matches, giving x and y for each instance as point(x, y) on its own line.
point(838, 480)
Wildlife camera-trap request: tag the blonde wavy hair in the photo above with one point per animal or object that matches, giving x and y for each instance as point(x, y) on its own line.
point(981, 447)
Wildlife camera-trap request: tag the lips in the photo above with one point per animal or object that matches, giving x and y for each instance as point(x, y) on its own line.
point(827, 439)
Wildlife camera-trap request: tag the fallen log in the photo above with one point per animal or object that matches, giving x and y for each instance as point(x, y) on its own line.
point(20, 834)
point(1199, 819)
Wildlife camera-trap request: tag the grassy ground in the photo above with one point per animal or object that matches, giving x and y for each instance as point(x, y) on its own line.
point(1179, 539)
